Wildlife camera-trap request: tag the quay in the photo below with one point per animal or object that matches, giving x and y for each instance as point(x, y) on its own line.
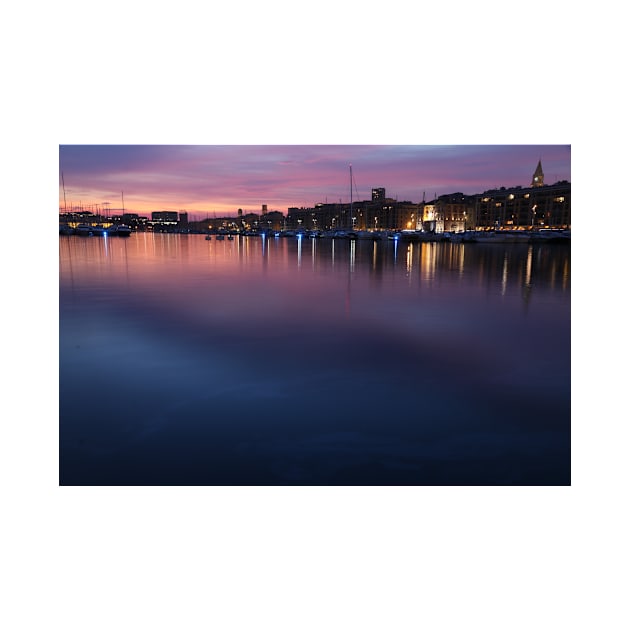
point(416, 236)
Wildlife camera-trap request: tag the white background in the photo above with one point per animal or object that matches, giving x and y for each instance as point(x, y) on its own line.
point(327, 72)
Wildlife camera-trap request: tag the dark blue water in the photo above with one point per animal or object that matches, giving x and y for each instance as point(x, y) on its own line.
point(285, 361)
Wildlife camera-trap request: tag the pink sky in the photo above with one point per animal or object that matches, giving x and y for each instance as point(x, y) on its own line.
point(209, 180)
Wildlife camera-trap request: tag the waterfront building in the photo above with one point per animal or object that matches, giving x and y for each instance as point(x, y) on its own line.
point(538, 206)
point(429, 218)
point(249, 221)
point(73, 219)
point(310, 218)
point(449, 213)
point(535, 207)
point(272, 220)
point(164, 217)
point(218, 223)
point(163, 221)
point(133, 220)
point(374, 214)
point(393, 215)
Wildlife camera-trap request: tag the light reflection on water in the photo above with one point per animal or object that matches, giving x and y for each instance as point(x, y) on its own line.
point(313, 361)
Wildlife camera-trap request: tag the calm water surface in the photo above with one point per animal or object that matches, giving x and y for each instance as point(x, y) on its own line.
point(284, 361)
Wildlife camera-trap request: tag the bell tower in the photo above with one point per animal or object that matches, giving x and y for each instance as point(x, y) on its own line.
point(538, 178)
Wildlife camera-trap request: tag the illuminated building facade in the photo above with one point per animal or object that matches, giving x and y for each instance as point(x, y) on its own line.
point(449, 213)
point(539, 206)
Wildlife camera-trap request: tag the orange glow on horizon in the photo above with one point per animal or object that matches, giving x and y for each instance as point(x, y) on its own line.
point(144, 207)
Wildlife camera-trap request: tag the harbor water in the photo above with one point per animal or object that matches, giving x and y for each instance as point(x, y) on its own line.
point(285, 360)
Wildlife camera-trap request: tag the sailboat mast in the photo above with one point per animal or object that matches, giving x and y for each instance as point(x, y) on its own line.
point(350, 196)
point(63, 185)
point(123, 201)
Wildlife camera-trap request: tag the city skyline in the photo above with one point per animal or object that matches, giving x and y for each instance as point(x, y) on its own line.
point(220, 179)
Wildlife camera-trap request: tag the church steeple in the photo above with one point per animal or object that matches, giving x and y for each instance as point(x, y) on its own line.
point(538, 179)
